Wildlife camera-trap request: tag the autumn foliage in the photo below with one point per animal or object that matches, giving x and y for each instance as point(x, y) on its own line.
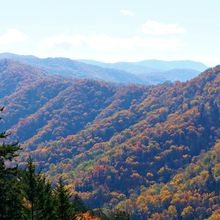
point(145, 149)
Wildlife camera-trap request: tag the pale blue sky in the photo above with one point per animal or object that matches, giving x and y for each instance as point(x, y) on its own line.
point(116, 30)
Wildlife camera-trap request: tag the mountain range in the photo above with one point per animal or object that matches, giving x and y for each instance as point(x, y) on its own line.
point(143, 72)
point(151, 150)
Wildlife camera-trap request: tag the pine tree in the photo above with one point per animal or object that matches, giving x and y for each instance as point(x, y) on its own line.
point(14, 205)
point(45, 203)
point(30, 188)
point(38, 194)
point(10, 203)
point(64, 207)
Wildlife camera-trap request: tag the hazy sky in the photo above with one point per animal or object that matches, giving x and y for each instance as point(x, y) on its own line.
point(113, 30)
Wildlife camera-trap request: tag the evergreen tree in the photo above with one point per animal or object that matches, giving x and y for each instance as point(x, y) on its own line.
point(45, 202)
point(14, 205)
point(27, 195)
point(10, 203)
point(30, 189)
point(64, 207)
point(38, 194)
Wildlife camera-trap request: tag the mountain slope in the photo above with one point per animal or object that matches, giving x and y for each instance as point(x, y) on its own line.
point(157, 123)
point(133, 147)
point(37, 103)
point(193, 193)
point(109, 142)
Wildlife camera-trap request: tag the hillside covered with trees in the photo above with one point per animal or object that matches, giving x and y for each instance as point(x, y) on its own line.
point(151, 151)
point(193, 193)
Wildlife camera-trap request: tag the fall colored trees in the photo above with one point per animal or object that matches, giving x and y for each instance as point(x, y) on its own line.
point(119, 146)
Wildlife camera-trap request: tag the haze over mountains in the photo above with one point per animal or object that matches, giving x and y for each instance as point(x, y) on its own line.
point(143, 72)
point(157, 71)
point(133, 147)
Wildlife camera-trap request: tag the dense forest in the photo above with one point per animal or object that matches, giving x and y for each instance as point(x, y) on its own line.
point(193, 193)
point(149, 151)
point(26, 193)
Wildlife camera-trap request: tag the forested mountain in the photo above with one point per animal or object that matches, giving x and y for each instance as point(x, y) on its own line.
point(193, 193)
point(115, 145)
point(27, 194)
point(131, 146)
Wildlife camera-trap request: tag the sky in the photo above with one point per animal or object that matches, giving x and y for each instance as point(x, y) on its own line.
point(113, 30)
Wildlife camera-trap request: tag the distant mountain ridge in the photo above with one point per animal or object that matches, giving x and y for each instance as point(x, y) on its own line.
point(153, 65)
point(157, 69)
point(143, 72)
point(74, 69)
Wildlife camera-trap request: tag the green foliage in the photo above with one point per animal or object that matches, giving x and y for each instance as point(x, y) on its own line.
point(39, 201)
point(26, 194)
point(10, 207)
point(64, 206)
